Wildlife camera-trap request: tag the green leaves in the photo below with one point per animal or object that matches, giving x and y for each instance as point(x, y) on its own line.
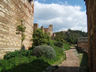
point(21, 28)
point(70, 36)
point(40, 38)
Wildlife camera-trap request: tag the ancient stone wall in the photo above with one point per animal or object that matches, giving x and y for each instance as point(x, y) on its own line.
point(11, 14)
point(48, 30)
point(91, 16)
point(83, 46)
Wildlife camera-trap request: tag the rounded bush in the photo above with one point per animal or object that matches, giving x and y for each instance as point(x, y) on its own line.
point(58, 44)
point(44, 51)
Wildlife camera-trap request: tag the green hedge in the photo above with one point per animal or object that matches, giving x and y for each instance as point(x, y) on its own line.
point(18, 53)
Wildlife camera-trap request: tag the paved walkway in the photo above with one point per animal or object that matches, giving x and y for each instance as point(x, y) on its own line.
point(71, 64)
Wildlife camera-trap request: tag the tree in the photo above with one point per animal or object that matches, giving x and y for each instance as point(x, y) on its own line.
point(70, 36)
point(20, 30)
point(40, 38)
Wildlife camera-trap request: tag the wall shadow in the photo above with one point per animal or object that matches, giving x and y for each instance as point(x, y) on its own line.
point(35, 66)
point(67, 69)
point(84, 62)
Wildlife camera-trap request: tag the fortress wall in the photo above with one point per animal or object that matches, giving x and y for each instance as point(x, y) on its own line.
point(11, 14)
point(91, 16)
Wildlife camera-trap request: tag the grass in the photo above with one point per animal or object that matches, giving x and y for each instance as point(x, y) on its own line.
point(24, 63)
point(66, 46)
point(36, 65)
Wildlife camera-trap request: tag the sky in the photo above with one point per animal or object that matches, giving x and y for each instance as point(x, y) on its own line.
point(62, 14)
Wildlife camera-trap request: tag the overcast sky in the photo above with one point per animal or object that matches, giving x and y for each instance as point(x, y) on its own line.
point(63, 14)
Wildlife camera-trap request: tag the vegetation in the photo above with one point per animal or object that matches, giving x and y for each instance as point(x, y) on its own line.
point(23, 64)
point(40, 38)
point(25, 61)
point(45, 51)
point(70, 36)
point(20, 30)
point(58, 44)
point(20, 53)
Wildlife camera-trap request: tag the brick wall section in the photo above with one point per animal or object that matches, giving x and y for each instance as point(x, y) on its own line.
point(91, 16)
point(11, 14)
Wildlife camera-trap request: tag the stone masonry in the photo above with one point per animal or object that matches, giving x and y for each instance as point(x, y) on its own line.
point(83, 44)
point(48, 30)
point(91, 16)
point(11, 14)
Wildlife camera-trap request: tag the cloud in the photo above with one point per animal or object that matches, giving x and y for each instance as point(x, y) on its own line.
point(62, 17)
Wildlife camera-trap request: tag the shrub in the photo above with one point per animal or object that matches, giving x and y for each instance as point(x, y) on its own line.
point(45, 51)
point(58, 44)
point(20, 30)
point(18, 53)
point(51, 43)
point(40, 38)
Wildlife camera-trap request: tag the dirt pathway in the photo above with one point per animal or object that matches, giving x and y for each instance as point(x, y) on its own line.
point(72, 62)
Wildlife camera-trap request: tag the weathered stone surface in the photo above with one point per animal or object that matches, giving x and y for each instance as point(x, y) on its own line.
point(91, 16)
point(11, 14)
point(83, 44)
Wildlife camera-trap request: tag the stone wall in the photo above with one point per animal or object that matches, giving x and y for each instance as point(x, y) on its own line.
point(11, 14)
point(48, 30)
point(83, 44)
point(91, 16)
point(35, 26)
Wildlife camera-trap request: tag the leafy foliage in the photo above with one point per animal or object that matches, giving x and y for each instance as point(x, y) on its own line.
point(23, 61)
point(40, 38)
point(18, 54)
point(20, 30)
point(58, 44)
point(44, 50)
point(70, 36)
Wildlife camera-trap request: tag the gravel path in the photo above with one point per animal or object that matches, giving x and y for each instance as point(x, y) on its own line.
point(72, 62)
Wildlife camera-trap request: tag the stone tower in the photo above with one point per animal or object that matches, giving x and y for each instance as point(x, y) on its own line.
point(35, 27)
point(42, 28)
point(50, 28)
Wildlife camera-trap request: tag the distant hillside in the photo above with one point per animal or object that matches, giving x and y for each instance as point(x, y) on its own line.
point(70, 36)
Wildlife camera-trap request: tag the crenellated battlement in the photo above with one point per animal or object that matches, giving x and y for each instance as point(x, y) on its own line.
point(48, 30)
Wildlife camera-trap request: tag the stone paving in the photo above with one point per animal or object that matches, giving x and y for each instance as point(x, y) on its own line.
point(72, 62)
